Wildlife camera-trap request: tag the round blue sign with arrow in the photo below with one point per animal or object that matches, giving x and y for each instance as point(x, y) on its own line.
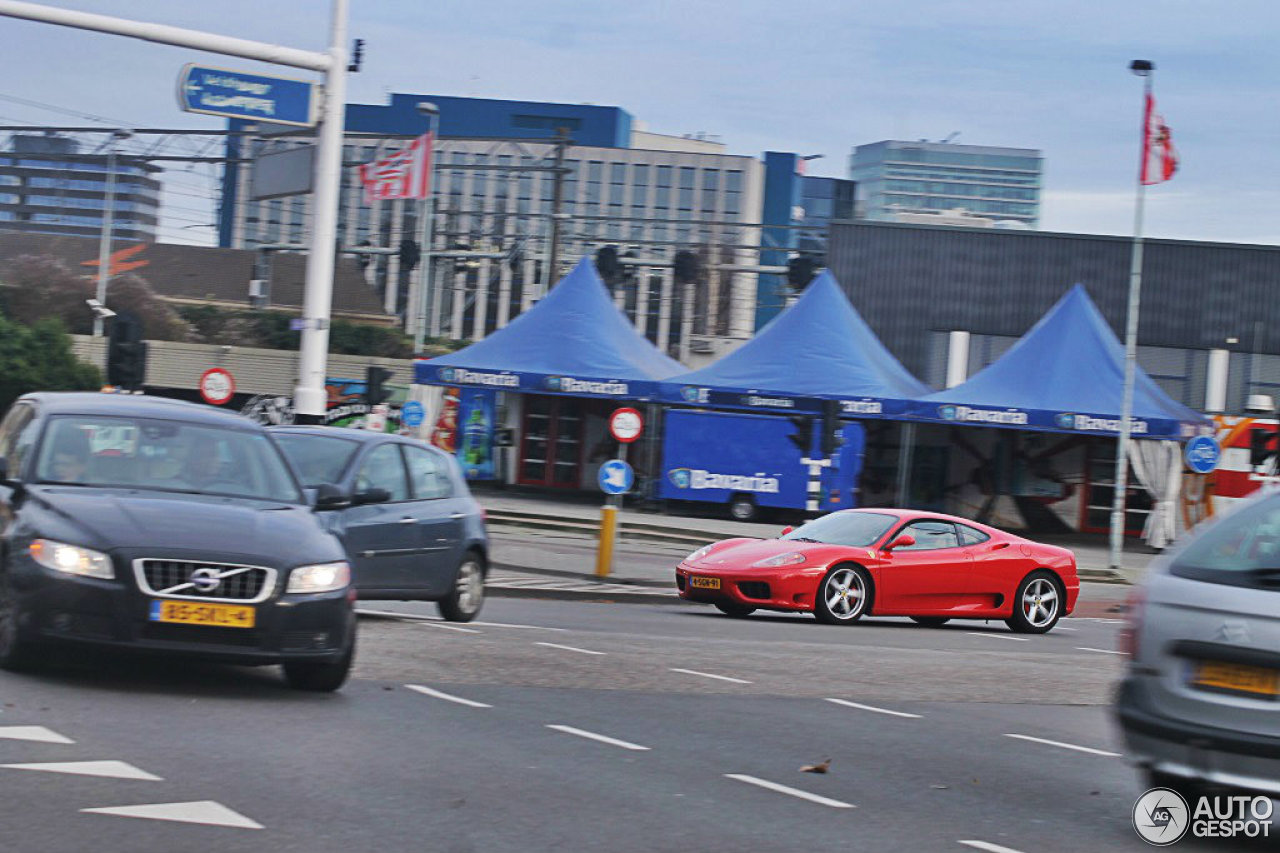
point(616, 477)
point(412, 414)
point(1202, 454)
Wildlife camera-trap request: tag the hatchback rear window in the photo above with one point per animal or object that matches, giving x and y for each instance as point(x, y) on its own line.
point(1242, 549)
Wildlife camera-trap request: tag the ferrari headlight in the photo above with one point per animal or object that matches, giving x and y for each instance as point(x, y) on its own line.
point(699, 554)
point(324, 577)
point(791, 558)
point(71, 559)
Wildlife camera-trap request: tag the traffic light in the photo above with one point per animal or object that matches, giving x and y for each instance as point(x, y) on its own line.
point(126, 353)
point(607, 263)
point(802, 438)
point(357, 56)
point(832, 428)
point(374, 377)
point(800, 271)
point(410, 255)
point(687, 267)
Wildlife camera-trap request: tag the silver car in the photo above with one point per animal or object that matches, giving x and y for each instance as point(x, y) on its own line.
point(1200, 704)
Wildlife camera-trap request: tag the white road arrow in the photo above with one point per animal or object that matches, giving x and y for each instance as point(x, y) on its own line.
point(35, 733)
point(203, 811)
point(108, 769)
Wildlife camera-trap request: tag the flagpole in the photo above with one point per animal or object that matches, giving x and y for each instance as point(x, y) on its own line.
point(422, 309)
point(1143, 69)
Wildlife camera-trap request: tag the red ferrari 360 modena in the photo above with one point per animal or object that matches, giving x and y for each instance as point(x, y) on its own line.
point(888, 562)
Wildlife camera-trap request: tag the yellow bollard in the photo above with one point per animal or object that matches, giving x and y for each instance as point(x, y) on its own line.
point(608, 532)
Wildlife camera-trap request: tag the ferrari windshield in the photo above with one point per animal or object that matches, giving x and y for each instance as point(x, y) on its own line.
point(146, 453)
point(854, 529)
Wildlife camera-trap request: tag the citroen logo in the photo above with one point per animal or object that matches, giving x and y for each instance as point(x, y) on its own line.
point(206, 579)
point(1235, 632)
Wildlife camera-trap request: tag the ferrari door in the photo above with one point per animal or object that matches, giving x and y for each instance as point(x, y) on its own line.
point(930, 576)
point(998, 565)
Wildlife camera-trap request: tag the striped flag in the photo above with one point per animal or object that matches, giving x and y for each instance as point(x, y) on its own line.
point(405, 174)
point(1159, 159)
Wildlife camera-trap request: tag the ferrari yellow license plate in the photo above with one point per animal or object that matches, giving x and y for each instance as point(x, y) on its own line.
point(195, 613)
point(704, 583)
point(1237, 678)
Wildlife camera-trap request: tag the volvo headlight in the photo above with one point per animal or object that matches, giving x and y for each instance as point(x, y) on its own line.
point(791, 558)
point(71, 559)
point(700, 553)
point(324, 577)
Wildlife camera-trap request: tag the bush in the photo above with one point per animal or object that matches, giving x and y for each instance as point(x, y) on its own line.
point(39, 358)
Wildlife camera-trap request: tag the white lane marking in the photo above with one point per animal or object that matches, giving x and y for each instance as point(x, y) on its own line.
point(421, 620)
point(570, 648)
point(515, 625)
point(998, 636)
point(107, 769)
point(709, 675)
point(1099, 651)
point(427, 691)
point(204, 811)
point(989, 847)
point(519, 582)
point(570, 730)
point(34, 733)
point(1062, 745)
point(1060, 628)
point(849, 704)
point(793, 792)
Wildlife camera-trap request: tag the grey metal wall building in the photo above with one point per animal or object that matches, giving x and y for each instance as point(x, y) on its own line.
point(914, 282)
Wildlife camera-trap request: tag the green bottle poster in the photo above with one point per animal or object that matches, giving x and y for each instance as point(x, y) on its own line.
point(476, 411)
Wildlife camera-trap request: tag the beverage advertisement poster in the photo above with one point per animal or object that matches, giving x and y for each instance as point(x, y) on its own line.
point(476, 412)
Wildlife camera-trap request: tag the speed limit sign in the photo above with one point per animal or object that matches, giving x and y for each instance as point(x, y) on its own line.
point(217, 386)
point(626, 425)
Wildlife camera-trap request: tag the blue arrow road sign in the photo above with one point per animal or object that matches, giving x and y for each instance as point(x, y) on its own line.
point(235, 94)
point(412, 414)
point(1202, 453)
point(616, 477)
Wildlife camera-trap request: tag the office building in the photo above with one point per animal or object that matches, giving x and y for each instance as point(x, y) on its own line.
point(897, 180)
point(49, 186)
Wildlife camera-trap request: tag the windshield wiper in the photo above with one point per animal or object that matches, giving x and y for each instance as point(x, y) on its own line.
point(803, 539)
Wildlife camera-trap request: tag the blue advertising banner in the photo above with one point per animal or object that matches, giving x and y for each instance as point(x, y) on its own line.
point(476, 415)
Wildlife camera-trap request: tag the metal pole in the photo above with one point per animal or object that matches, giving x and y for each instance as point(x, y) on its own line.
point(557, 201)
point(1130, 350)
point(908, 439)
point(104, 244)
point(425, 297)
point(309, 396)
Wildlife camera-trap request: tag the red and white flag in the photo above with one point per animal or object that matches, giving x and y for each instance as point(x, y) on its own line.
point(1159, 159)
point(405, 174)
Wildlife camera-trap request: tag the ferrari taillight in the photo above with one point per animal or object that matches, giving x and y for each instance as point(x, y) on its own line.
point(1129, 634)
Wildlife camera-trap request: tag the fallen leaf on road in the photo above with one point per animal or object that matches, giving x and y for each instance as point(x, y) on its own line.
point(816, 768)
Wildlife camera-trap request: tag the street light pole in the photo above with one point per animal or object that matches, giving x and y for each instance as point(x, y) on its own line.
point(104, 244)
point(422, 312)
point(1144, 69)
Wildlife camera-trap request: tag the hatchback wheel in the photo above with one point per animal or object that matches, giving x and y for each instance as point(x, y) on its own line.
point(843, 596)
point(1037, 606)
point(463, 602)
point(320, 677)
point(742, 508)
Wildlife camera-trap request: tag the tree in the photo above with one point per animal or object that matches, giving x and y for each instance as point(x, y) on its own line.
point(39, 358)
point(39, 286)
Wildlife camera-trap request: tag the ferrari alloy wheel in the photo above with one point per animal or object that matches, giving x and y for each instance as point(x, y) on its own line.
point(843, 596)
point(1037, 605)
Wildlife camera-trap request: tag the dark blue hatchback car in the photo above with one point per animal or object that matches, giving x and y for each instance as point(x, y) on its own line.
point(402, 510)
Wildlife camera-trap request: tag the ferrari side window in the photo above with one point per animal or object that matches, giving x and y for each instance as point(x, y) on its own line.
point(970, 535)
point(931, 535)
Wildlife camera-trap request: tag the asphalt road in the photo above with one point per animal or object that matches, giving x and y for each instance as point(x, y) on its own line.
point(580, 726)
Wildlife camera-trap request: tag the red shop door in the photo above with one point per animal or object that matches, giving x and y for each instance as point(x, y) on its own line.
point(551, 442)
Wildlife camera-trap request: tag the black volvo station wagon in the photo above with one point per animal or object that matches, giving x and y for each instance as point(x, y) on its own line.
point(168, 527)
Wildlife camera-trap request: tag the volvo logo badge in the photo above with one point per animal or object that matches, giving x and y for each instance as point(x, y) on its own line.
point(206, 579)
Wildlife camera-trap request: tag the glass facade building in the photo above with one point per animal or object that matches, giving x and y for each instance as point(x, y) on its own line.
point(934, 177)
point(47, 186)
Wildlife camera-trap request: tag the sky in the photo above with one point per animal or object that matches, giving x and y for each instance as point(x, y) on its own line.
point(809, 76)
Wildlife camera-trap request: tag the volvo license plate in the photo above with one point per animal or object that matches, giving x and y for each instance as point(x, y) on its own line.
point(196, 613)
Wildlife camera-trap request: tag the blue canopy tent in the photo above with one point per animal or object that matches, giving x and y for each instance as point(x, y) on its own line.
point(1064, 375)
point(818, 349)
point(574, 342)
